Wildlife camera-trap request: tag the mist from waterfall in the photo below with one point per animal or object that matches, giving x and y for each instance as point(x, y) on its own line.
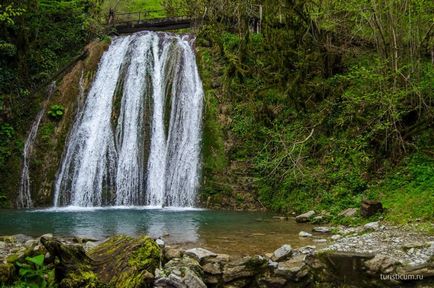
point(136, 140)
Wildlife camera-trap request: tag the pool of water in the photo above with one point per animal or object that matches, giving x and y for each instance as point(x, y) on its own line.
point(240, 233)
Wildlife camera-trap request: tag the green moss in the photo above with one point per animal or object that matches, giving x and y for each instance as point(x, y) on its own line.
point(147, 256)
point(85, 279)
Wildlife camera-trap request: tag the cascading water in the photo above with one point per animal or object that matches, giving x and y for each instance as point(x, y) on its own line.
point(24, 199)
point(136, 140)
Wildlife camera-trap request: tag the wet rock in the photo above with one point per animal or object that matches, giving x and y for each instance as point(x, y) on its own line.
point(2, 245)
point(381, 264)
point(305, 217)
point(322, 229)
point(82, 239)
point(293, 268)
point(8, 239)
point(272, 281)
point(183, 272)
point(21, 238)
point(30, 243)
point(372, 226)
point(200, 254)
point(213, 268)
point(272, 264)
point(307, 250)
point(47, 236)
point(350, 212)
point(369, 208)
point(282, 253)
point(160, 242)
point(243, 268)
point(304, 234)
point(171, 253)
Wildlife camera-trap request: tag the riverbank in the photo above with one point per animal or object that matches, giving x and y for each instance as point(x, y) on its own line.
point(373, 255)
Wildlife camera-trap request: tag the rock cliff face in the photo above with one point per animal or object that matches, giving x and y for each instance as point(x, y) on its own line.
point(49, 143)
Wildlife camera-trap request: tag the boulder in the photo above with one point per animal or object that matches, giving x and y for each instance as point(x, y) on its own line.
point(350, 212)
point(369, 208)
point(183, 272)
point(200, 254)
point(304, 234)
point(243, 268)
point(171, 253)
point(381, 264)
point(305, 217)
point(8, 239)
point(272, 281)
point(282, 253)
point(31, 243)
point(322, 229)
point(160, 242)
point(21, 238)
point(307, 250)
point(293, 269)
point(372, 226)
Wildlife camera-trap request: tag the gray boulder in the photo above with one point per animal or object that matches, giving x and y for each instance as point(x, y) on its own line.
point(180, 273)
point(200, 254)
point(282, 253)
point(305, 217)
point(243, 268)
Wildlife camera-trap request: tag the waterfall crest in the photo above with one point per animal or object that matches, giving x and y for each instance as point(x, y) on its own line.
point(136, 140)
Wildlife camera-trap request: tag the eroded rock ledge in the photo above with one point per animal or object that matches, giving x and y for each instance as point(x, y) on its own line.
point(363, 257)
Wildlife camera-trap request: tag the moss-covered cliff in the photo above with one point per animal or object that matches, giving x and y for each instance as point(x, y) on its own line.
point(69, 93)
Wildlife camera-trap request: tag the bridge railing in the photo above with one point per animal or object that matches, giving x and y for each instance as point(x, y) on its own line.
point(142, 16)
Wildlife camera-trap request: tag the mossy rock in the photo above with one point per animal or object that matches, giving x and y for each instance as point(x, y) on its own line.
point(6, 272)
point(120, 261)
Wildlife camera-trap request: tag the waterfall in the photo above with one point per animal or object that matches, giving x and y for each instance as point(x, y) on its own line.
point(24, 199)
point(136, 140)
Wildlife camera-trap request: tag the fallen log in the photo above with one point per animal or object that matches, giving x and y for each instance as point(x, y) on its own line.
point(120, 261)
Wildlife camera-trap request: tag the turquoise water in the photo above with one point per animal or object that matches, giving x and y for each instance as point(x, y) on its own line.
point(222, 231)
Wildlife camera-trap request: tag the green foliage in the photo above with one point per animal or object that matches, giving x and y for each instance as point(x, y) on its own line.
point(37, 39)
point(35, 274)
point(325, 102)
point(407, 193)
point(56, 111)
point(8, 14)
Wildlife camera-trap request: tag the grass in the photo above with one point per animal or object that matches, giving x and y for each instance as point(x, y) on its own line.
point(131, 6)
point(408, 194)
